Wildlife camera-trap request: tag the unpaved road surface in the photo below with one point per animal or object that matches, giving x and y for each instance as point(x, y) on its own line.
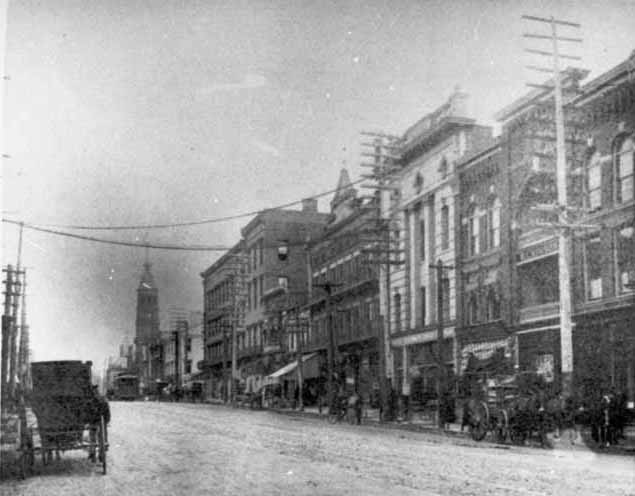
point(186, 449)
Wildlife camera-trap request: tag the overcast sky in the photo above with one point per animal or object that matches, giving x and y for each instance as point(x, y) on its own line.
point(129, 111)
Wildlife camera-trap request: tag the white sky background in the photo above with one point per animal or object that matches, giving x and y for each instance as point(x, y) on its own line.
point(129, 111)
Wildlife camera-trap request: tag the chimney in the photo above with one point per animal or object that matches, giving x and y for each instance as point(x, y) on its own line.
point(310, 205)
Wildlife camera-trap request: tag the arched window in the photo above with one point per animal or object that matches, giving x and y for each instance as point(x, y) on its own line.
point(623, 169)
point(594, 182)
point(493, 223)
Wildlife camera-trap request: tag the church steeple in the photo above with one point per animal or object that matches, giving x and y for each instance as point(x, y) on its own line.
point(343, 201)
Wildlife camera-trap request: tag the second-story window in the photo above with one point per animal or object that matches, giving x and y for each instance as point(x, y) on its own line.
point(472, 231)
point(594, 182)
point(283, 252)
point(472, 308)
point(261, 252)
point(422, 239)
point(593, 268)
point(445, 298)
point(445, 227)
point(397, 310)
point(625, 259)
point(493, 223)
point(423, 305)
point(493, 305)
point(624, 163)
point(283, 282)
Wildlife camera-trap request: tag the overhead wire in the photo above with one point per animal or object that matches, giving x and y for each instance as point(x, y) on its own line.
point(161, 246)
point(188, 223)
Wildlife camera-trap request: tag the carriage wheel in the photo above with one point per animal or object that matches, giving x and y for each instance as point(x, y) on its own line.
point(478, 430)
point(502, 429)
point(102, 444)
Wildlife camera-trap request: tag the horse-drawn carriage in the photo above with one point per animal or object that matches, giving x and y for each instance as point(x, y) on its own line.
point(513, 407)
point(70, 413)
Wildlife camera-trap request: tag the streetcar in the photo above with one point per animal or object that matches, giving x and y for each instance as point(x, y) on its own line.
point(126, 387)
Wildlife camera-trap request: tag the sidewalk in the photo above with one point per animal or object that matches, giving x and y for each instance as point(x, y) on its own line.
point(581, 442)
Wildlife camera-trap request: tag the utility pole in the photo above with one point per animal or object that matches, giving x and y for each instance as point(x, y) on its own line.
point(564, 252)
point(385, 153)
point(440, 386)
point(6, 331)
point(330, 356)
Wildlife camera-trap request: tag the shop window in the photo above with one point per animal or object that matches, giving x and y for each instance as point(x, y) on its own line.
point(594, 182)
point(625, 259)
point(623, 169)
point(593, 268)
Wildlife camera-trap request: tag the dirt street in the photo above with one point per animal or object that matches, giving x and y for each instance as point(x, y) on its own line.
point(174, 449)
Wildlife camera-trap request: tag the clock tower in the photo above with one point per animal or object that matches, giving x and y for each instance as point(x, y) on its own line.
point(147, 324)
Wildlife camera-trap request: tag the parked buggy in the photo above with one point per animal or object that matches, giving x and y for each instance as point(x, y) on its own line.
point(515, 406)
point(70, 413)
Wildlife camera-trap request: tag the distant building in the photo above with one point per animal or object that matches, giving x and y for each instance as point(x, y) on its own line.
point(147, 328)
point(221, 299)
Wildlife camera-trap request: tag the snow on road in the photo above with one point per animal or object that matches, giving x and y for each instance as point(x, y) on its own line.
point(174, 449)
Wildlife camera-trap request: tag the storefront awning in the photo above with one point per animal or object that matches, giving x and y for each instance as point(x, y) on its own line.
point(291, 367)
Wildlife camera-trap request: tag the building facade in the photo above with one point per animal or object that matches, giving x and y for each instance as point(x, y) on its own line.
point(275, 243)
point(423, 206)
point(484, 319)
point(599, 123)
point(341, 258)
point(221, 299)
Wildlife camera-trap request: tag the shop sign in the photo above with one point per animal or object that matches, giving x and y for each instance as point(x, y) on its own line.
point(545, 367)
point(538, 250)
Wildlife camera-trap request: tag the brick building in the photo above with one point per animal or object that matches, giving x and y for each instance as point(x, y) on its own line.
point(338, 257)
point(484, 321)
point(600, 123)
point(275, 245)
